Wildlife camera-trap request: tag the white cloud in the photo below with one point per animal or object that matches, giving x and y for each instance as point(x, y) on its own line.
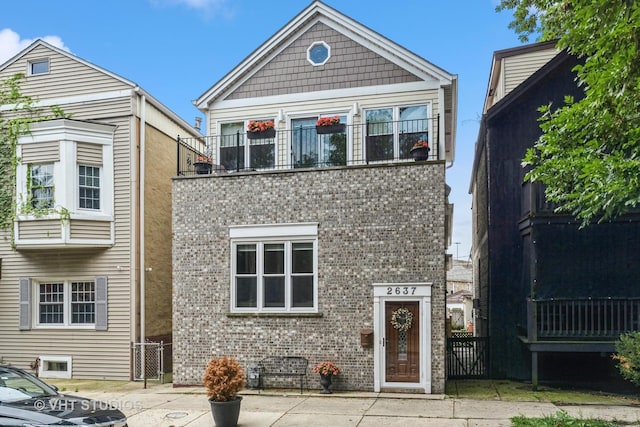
point(11, 44)
point(208, 7)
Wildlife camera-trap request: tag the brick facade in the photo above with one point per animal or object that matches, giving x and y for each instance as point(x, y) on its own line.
point(383, 223)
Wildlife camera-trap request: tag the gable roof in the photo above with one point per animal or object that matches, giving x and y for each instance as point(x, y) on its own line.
point(134, 86)
point(320, 12)
point(497, 72)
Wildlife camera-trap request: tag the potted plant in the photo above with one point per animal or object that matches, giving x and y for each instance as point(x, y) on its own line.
point(420, 150)
point(327, 370)
point(259, 129)
point(203, 165)
point(326, 125)
point(224, 378)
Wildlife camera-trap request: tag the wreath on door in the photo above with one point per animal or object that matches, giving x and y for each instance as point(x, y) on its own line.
point(401, 319)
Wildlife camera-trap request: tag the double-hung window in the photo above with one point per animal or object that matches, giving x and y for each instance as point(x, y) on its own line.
point(276, 271)
point(41, 184)
point(311, 149)
point(391, 132)
point(66, 303)
point(89, 187)
point(237, 152)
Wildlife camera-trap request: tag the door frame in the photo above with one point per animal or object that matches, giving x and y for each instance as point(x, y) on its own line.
point(401, 292)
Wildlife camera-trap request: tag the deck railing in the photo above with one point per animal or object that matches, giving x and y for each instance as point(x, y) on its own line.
point(308, 147)
point(582, 318)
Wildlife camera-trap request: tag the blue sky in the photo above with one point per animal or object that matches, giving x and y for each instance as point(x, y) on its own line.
point(177, 49)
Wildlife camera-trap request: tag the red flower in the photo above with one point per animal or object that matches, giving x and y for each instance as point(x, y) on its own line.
point(259, 126)
point(328, 121)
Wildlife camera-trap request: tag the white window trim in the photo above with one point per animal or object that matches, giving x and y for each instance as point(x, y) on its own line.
point(396, 134)
point(245, 147)
point(314, 44)
point(280, 233)
point(66, 305)
point(35, 61)
point(89, 211)
point(318, 114)
point(44, 373)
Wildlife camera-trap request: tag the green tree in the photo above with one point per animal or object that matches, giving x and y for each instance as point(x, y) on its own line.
point(588, 156)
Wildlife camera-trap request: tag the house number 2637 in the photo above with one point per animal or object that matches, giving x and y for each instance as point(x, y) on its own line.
point(401, 290)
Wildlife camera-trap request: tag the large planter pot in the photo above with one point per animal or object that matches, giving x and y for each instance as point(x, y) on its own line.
point(321, 130)
point(269, 133)
point(202, 168)
point(420, 153)
point(226, 414)
point(325, 382)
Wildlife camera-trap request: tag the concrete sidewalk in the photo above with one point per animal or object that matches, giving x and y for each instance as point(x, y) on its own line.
point(165, 406)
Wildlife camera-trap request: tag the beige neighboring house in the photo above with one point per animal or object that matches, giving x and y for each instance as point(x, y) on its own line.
point(77, 290)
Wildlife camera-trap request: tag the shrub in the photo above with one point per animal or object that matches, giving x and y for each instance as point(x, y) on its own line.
point(223, 378)
point(628, 356)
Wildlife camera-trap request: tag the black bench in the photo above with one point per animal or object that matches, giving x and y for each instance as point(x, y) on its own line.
point(283, 366)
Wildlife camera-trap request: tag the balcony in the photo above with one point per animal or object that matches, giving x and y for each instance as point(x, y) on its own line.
point(580, 324)
point(308, 147)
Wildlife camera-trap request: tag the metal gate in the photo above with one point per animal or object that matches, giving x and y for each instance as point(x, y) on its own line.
point(153, 361)
point(467, 357)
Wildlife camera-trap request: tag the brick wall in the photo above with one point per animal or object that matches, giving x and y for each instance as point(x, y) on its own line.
point(380, 223)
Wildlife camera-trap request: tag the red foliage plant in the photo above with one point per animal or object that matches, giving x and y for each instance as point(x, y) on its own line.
point(223, 378)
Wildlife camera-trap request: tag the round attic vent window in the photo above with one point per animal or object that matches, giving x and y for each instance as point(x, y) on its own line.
point(318, 53)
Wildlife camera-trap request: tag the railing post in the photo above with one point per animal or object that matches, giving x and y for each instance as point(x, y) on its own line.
point(238, 151)
point(178, 155)
point(532, 320)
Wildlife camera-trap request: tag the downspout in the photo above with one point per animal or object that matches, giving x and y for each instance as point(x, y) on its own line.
point(141, 211)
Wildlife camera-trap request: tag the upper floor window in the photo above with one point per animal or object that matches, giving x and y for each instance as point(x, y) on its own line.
point(311, 149)
point(41, 183)
point(40, 66)
point(238, 152)
point(391, 132)
point(276, 271)
point(318, 53)
point(89, 187)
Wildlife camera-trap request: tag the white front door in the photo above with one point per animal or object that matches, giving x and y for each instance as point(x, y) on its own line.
point(402, 336)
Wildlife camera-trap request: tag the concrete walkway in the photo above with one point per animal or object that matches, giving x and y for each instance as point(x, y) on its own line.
point(165, 406)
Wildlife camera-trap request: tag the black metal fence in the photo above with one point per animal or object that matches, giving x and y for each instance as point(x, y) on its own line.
point(308, 146)
point(467, 357)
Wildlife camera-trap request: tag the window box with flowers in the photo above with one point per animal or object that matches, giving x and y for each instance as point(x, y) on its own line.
point(203, 165)
point(326, 369)
point(257, 129)
point(420, 150)
point(327, 125)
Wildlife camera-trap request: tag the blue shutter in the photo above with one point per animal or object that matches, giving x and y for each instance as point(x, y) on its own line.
point(25, 303)
point(101, 303)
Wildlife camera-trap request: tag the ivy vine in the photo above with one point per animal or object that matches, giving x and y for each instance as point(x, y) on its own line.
point(15, 122)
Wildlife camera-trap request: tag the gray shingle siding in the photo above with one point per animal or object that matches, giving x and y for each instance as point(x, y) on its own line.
point(350, 65)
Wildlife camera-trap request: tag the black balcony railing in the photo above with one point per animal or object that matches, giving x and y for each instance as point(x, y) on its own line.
point(582, 318)
point(308, 147)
